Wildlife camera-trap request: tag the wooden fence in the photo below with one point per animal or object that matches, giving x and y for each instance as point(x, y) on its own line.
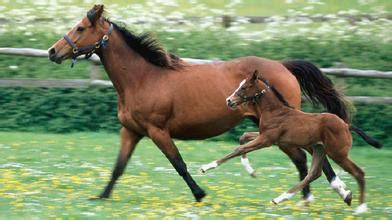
point(228, 20)
point(94, 81)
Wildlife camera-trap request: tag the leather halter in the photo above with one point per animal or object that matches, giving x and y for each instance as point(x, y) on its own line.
point(89, 49)
point(253, 98)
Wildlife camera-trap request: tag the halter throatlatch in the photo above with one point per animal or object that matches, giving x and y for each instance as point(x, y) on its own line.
point(89, 49)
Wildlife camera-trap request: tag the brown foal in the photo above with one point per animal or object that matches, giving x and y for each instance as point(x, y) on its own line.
point(162, 97)
point(282, 125)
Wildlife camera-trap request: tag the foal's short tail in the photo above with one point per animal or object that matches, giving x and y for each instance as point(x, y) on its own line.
point(318, 88)
point(366, 137)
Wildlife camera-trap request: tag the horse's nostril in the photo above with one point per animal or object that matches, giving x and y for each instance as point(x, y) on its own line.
point(51, 51)
point(52, 54)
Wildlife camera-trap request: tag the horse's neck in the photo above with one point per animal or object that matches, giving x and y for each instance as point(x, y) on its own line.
point(270, 106)
point(124, 66)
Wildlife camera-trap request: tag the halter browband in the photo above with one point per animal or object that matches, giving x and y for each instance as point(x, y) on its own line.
point(89, 49)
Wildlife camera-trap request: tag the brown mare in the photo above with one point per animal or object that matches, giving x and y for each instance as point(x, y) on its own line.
point(285, 126)
point(163, 97)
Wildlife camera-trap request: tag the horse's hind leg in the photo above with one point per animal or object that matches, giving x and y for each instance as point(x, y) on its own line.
point(314, 173)
point(129, 140)
point(165, 143)
point(246, 137)
point(358, 174)
point(336, 183)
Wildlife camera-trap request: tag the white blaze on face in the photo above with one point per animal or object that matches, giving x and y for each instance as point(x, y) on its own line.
point(233, 94)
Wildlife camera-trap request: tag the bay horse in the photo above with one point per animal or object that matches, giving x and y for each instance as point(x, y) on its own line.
point(287, 127)
point(160, 96)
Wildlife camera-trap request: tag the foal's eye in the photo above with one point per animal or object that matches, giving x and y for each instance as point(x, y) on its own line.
point(80, 29)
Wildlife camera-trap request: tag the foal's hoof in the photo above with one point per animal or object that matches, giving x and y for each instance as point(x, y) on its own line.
point(273, 202)
point(348, 198)
point(199, 195)
point(202, 171)
point(361, 209)
point(305, 201)
point(253, 174)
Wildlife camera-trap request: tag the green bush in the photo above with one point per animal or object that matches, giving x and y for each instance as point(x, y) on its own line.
point(92, 109)
point(58, 110)
point(95, 109)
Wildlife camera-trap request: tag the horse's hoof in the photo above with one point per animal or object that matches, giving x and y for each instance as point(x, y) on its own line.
point(201, 170)
point(361, 209)
point(348, 198)
point(306, 201)
point(273, 202)
point(199, 195)
point(253, 174)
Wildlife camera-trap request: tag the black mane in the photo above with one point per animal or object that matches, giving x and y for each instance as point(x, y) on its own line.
point(149, 48)
point(276, 93)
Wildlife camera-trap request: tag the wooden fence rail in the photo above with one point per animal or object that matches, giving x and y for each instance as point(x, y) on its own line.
point(84, 83)
point(95, 60)
point(93, 81)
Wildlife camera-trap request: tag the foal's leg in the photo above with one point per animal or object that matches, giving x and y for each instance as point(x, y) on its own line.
point(163, 140)
point(259, 142)
point(358, 174)
point(335, 182)
point(298, 157)
point(246, 137)
point(129, 140)
point(314, 173)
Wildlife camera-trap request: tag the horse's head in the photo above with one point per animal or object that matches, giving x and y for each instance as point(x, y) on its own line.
point(249, 90)
point(88, 35)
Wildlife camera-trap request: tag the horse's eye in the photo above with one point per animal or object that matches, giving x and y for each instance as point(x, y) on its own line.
point(80, 29)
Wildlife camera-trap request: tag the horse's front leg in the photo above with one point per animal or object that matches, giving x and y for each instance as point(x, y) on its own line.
point(245, 138)
point(314, 173)
point(260, 142)
point(165, 143)
point(129, 139)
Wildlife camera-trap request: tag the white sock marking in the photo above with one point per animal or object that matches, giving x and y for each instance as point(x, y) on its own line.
point(338, 185)
point(361, 209)
point(245, 162)
point(209, 166)
point(283, 197)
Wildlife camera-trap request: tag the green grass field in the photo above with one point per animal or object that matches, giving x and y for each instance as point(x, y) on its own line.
point(47, 176)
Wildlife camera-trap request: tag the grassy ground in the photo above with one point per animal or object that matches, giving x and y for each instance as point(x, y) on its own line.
point(46, 175)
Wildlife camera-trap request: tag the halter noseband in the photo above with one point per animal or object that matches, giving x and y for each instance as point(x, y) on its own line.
point(89, 49)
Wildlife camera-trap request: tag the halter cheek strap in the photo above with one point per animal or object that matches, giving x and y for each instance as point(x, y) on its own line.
point(89, 49)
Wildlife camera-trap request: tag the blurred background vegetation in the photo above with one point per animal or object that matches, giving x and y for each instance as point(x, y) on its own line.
point(330, 33)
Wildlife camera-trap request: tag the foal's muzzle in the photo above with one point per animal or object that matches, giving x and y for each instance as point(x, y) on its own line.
point(231, 104)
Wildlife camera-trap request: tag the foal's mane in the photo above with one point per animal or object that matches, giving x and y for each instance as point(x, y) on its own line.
point(276, 92)
point(149, 48)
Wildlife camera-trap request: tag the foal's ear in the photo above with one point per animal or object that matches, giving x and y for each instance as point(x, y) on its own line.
point(254, 75)
point(95, 13)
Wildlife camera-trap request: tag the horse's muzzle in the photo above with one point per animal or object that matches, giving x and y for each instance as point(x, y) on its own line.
point(231, 104)
point(53, 57)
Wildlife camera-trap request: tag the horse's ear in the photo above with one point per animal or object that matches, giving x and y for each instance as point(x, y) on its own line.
point(95, 13)
point(255, 75)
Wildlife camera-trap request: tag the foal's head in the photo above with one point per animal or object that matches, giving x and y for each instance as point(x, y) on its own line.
point(87, 36)
point(249, 90)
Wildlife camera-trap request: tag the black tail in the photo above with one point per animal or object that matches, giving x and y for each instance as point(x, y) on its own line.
point(318, 88)
point(366, 137)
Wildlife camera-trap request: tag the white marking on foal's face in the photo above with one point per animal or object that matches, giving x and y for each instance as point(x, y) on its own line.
point(229, 99)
